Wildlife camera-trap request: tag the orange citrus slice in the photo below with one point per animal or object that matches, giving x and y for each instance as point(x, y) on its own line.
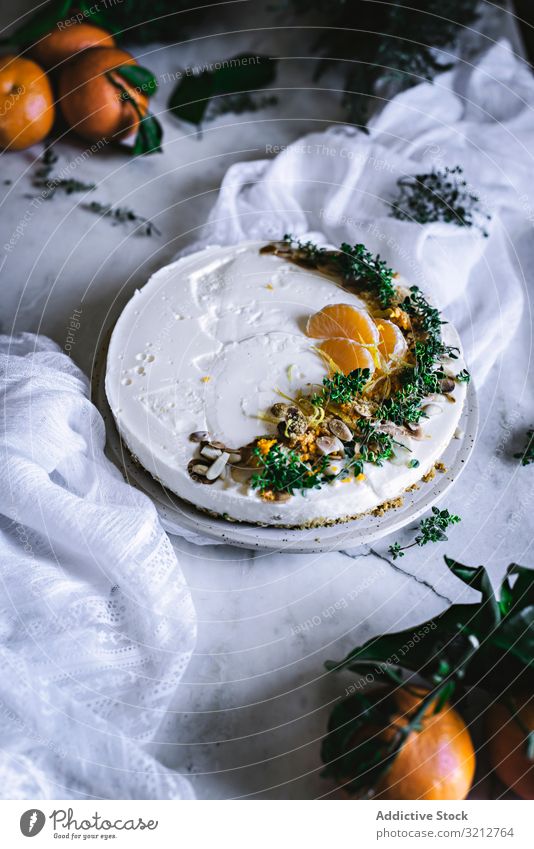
point(345, 321)
point(347, 355)
point(392, 345)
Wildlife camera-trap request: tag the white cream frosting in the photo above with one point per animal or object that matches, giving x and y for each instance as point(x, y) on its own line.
point(207, 344)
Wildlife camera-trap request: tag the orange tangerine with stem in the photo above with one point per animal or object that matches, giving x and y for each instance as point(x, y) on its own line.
point(347, 354)
point(343, 321)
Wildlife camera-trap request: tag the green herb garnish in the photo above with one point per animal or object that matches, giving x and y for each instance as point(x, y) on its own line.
point(431, 530)
point(438, 196)
point(284, 471)
point(341, 388)
point(355, 264)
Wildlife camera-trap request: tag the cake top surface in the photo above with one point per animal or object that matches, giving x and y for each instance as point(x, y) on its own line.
point(258, 376)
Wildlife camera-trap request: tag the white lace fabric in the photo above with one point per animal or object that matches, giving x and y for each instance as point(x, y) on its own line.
point(96, 623)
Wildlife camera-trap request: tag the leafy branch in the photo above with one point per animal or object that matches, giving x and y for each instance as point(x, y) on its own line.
point(488, 644)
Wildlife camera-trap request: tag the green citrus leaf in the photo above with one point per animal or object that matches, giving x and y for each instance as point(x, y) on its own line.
point(357, 764)
point(92, 13)
point(243, 73)
point(149, 136)
point(522, 593)
point(140, 78)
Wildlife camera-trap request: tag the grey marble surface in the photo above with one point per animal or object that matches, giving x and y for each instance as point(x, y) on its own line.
point(249, 717)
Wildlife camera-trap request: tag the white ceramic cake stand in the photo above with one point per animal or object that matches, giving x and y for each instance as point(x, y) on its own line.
point(176, 514)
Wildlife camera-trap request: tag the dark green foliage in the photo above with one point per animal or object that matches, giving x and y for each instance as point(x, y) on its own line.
point(487, 644)
point(372, 42)
point(438, 196)
point(138, 21)
point(198, 97)
point(527, 454)
point(386, 43)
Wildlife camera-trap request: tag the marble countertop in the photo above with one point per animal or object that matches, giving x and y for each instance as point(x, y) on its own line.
point(253, 706)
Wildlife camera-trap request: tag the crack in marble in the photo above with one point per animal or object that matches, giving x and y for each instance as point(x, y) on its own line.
point(397, 568)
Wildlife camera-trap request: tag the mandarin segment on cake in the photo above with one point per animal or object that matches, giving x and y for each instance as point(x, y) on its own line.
point(242, 399)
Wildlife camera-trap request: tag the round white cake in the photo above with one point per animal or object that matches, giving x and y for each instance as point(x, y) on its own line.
point(201, 356)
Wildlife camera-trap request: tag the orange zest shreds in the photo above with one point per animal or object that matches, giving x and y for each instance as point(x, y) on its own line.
point(347, 355)
point(343, 321)
point(206, 378)
point(360, 477)
point(398, 316)
point(306, 441)
point(267, 495)
point(265, 445)
point(345, 480)
point(270, 287)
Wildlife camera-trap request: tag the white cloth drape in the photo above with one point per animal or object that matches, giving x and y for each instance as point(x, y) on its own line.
point(96, 623)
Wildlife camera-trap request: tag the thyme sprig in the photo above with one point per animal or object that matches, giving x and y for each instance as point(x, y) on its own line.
point(123, 215)
point(48, 185)
point(431, 529)
point(356, 265)
point(527, 454)
point(440, 195)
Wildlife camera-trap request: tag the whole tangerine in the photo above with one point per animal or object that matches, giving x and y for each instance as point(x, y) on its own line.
point(60, 45)
point(26, 103)
point(435, 762)
point(507, 746)
point(92, 97)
